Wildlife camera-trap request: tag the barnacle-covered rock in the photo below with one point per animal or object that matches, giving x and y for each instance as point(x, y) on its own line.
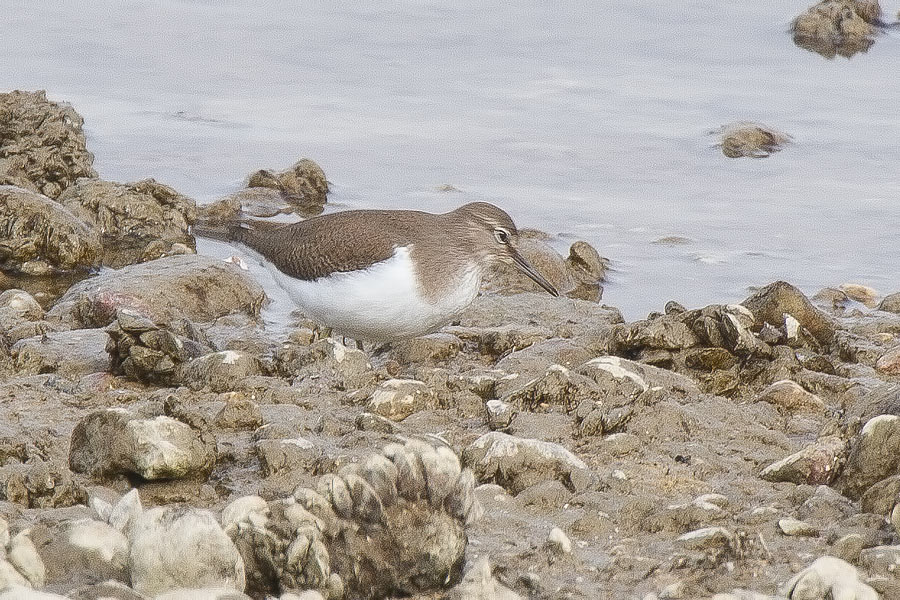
point(131, 216)
point(303, 185)
point(41, 236)
point(754, 140)
point(833, 27)
point(42, 144)
point(392, 524)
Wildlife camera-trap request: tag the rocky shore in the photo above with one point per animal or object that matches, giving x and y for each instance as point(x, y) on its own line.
point(157, 441)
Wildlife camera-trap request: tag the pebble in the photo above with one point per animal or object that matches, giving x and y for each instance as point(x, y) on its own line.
point(794, 527)
point(559, 541)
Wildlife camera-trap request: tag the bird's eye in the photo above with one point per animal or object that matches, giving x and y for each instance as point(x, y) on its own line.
point(502, 236)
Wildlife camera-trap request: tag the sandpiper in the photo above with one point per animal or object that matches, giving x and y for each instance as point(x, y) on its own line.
point(386, 275)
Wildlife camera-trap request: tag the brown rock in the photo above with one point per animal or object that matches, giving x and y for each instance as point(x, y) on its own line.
point(775, 301)
point(304, 184)
point(789, 397)
point(889, 363)
point(745, 139)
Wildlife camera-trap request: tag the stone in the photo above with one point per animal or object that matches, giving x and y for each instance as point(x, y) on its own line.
point(43, 145)
point(41, 236)
point(220, 371)
point(794, 527)
point(20, 304)
point(107, 590)
point(791, 398)
point(303, 184)
point(22, 555)
point(198, 288)
point(827, 577)
point(479, 584)
point(182, 547)
point(880, 561)
point(434, 347)
point(814, 465)
point(396, 399)
point(114, 441)
point(71, 354)
point(239, 413)
point(499, 414)
point(774, 302)
point(559, 542)
point(754, 140)
point(130, 216)
point(295, 454)
point(861, 293)
point(82, 552)
point(517, 463)
point(507, 279)
point(890, 303)
point(367, 421)
point(833, 27)
point(889, 362)
point(708, 538)
point(881, 497)
point(207, 593)
point(874, 455)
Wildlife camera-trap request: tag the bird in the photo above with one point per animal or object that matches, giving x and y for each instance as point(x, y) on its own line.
point(385, 275)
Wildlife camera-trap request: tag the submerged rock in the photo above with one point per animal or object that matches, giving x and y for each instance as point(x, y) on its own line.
point(131, 217)
point(753, 140)
point(195, 287)
point(41, 236)
point(833, 27)
point(42, 144)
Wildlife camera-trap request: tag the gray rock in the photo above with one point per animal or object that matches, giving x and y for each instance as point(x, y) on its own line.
point(220, 371)
point(791, 398)
point(835, 27)
point(71, 354)
point(22, 555)
point(82, 552)
point(367, 421)
point(114, 441)
point(131, 216)
point(198, 288)
point(41, 236)
point(881, 497)
point(827, 577)
point(815, 464)
point(181, 547)
point(774, 302)
point(499, 414)
point(239, 413)
point(107, 590)
point(435, 347)
point(559, 542)
point(396, 399)
point(479, 584)
point(890, 303)
point(43, 146)
point(874, 455)
point(517, 463)
point(794, 527)
point(708, 538)
point(294, 454)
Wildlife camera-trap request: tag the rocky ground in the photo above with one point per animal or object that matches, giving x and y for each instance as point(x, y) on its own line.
point(157, 441)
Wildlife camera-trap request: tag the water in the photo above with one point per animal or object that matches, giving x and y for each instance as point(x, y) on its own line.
point(587, 120)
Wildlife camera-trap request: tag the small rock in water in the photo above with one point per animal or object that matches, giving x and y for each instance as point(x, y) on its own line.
point(745, 139)
point(861, 293)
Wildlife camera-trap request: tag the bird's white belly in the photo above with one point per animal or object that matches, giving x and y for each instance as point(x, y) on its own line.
point(380, 303)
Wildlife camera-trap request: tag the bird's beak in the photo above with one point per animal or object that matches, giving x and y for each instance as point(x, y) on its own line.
point(526, 268)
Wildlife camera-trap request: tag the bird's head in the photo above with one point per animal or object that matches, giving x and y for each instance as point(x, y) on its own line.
point(495, 239)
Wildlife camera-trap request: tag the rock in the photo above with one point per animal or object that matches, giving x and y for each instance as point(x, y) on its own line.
point(293, 454)
point(890, 303)
point(82, 552)
point(794, 527)
point(198, 288)
point(220, 371)
point(24, 558)
point(861, 293)
point(370, 422)
point(517, 463)
point(394, 521)
point(816, 464)
point(772, 303)
point(239, 413)
point(889, 363)
point(848, 547)
point(479, 584)
point(499, 414)
point(586, 265)
point(434, 347)
point(18, 592)
point(303, 185)
point(107, 590)
point(708, 538)
point(43, 145)
point(397, 399)
point(507, 279)
point(559, 542)
point(71, 354)
point(792, 399)
point(874, 455)
point(881, 497)
point(880, 562)
point(114, 441)
point(130, 216)
point(746, 139)
point(210, 593)
point(833, 27)
point(254, 202)
point(19, 305)
point(40, 236)
point(174, 547)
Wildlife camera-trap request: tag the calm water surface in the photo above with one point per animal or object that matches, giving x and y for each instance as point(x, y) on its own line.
point(587, 120)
